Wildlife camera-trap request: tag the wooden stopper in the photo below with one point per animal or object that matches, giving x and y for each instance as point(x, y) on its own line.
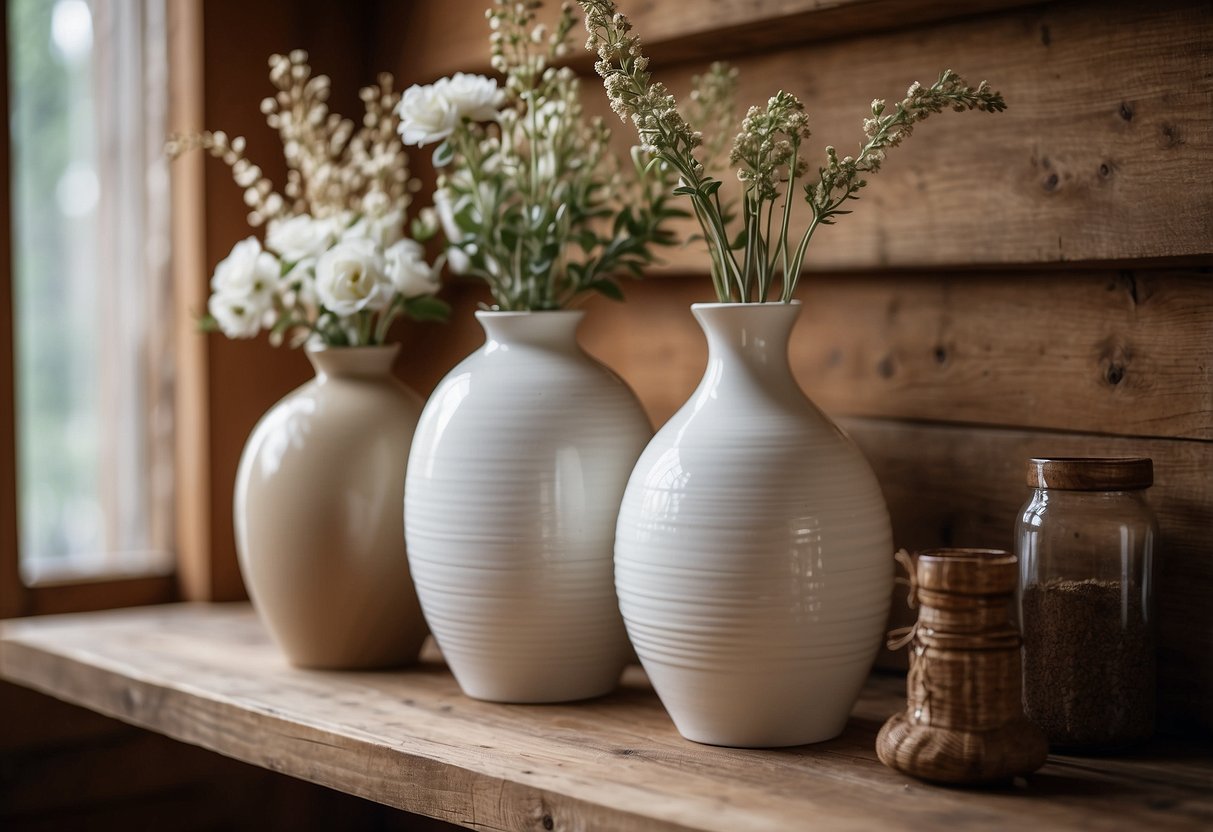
point(1091, 473)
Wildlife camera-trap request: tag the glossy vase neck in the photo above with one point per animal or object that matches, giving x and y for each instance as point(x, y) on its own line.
point(748, 343)
point(353, 362)
point(554, 329)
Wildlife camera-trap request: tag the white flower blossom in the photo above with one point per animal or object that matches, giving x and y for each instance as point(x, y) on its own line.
point(474, 97)
point(238, 316)
point(247, 272)
point(350, 278)
point(406, 268)
point(300, 237)
point(383, 230)
point(427, 115)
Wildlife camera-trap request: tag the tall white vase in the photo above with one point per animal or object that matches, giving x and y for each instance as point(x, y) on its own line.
point(317, 511)
point(753, 557)
point(511, 498)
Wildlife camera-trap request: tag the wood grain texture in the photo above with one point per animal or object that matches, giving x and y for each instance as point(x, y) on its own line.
point(1110, 122)
point(964, 486)
point(1127, 353)
point(207, 674)
point(190, 283)
point(431, 40)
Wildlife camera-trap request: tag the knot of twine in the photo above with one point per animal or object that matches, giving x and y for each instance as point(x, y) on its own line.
point(902, 636)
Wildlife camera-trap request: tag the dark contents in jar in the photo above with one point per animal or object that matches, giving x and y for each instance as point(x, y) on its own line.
point(1088, 664)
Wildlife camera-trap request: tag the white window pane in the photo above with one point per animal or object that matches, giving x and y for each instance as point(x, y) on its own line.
point(90, 198)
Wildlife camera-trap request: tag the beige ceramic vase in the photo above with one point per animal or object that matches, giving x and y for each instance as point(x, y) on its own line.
point(319, 530)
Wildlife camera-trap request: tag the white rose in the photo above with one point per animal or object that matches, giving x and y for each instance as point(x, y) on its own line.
point(247, 272)
point(383, 230)
point(238, 316)
point(408, 271)
point(474, 97)
point(350, 278)
point(426, 114)
point(299, 237)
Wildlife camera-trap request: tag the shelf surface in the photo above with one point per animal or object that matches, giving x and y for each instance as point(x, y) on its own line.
point(209, 675)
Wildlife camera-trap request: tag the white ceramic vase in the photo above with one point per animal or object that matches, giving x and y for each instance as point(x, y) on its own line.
point(511, 498)
point(753, 557)
point(317, 512)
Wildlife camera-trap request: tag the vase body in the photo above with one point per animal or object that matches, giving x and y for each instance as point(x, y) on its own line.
point(511, 498)
point(317, 511)
point(753, 555)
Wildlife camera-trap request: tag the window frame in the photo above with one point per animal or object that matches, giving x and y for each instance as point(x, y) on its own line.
point(188, 579)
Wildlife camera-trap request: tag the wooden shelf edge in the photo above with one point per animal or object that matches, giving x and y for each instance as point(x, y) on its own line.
point(296, 746)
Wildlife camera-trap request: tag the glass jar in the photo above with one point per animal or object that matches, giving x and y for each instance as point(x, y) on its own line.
point(1085, 542)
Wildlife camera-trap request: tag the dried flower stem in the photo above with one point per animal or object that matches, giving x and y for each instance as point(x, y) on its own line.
point(767, 153)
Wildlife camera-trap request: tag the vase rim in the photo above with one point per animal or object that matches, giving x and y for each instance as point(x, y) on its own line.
point(520, 313)
point(735, 304)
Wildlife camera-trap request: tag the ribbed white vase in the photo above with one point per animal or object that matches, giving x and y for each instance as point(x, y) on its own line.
point(513, 488)
point(753, 557)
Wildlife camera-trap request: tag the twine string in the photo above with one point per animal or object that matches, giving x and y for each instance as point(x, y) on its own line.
point(902, 636)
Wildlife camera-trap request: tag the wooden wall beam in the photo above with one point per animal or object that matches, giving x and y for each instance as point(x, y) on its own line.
point(432, 39)
point(1093, 351)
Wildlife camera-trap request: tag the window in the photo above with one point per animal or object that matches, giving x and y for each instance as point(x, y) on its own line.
point(92, 315)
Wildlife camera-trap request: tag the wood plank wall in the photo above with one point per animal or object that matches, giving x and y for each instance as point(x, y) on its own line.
point(1036, 283)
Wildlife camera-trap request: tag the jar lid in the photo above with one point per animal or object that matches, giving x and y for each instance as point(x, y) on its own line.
point(967, 571)
point(1091, 473)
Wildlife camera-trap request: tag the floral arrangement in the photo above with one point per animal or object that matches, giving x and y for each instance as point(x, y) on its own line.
point(336, 268)
point(529, 196)
point(768, 156)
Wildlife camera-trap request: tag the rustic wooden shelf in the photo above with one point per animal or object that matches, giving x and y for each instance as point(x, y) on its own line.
point(208, 675)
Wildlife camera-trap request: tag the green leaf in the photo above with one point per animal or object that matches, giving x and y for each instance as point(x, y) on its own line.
point(606, 287)
point(465, 220)
point(686, 190)
point(427, 308)
point(711, 186)
point(443, 154)
point(207, 323)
